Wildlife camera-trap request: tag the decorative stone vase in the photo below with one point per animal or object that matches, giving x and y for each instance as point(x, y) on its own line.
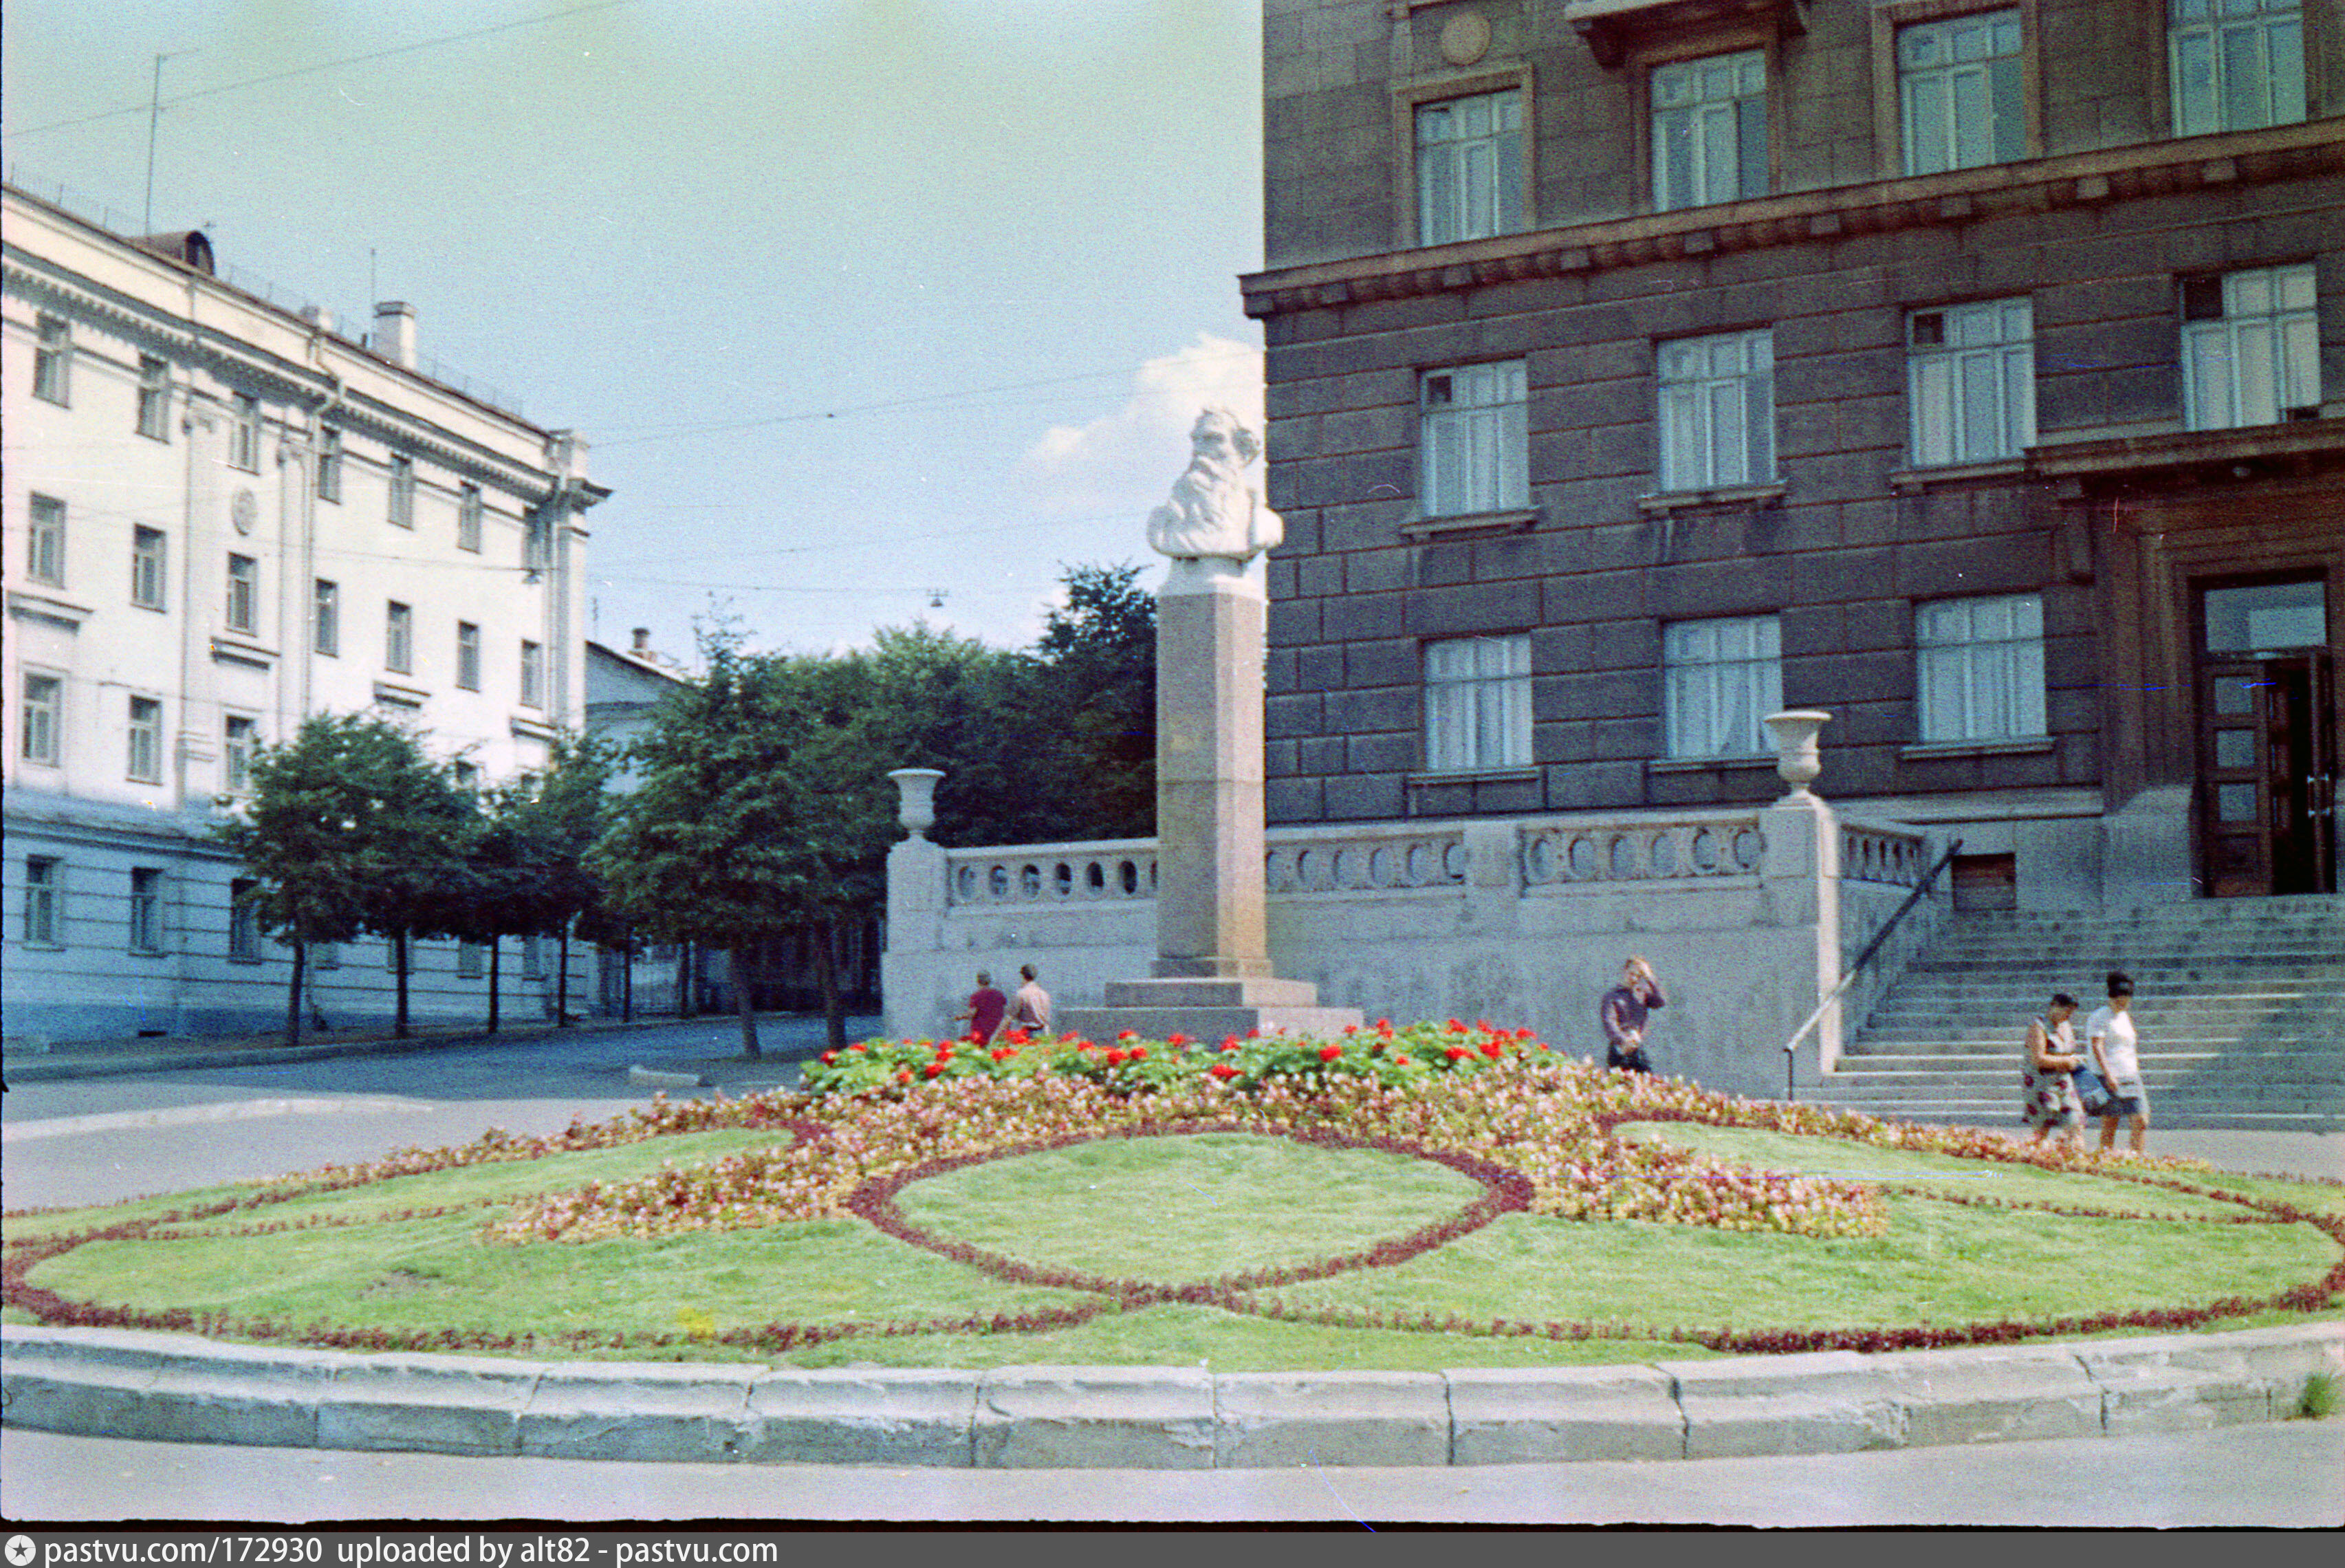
point(1797, 757)
point(916, 806)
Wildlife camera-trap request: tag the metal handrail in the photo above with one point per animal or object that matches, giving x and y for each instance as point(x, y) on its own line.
point(1921, 891)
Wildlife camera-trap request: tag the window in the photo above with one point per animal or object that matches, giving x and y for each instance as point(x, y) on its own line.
point(1477, 703)
point(1960, 95)
point(1720, 678)
point(398, 638)
point(1469, 167)
point(1717, 410)
point(147, 568)
point(44, 727)
point(325, 619)
point(243, 591)
point(145, 761)
point(237, 736)
point(1981, 668)
point(533, 676)
point(244, 921)
point(154, 399)
point(244, 433)
point(52, 361)
point(2236, 64)
point(146, 909)
point(1473, 454)
point(532, 957)
point(44, 893)
point(330, 463)
point(402, 492)
point(470, 960)
point(468, 655)
point(2251, 348)
point(44, 545)
point(468, 518)
point(1969, 382)
point(1709, 130)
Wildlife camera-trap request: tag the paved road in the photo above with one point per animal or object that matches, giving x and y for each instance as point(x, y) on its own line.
point(2289, 1475)
point(97, 1139)
point(93, 1140)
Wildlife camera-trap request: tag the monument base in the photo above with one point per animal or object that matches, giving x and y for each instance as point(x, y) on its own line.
point(1209, 1009)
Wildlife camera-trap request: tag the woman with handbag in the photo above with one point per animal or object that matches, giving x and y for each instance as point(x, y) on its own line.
point(2048, 1093)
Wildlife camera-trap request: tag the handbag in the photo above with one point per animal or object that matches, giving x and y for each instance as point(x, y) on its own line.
point(2091, 1092)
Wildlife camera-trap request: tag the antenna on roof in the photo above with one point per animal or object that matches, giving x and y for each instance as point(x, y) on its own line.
point(154, 118)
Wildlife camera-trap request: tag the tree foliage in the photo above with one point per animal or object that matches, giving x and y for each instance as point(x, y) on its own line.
point(351, 830)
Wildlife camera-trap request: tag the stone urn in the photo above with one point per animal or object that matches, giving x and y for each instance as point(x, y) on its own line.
point(916, 804)
point(1797, 757)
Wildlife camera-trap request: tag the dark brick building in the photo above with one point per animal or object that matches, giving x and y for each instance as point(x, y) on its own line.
point(1975, 371)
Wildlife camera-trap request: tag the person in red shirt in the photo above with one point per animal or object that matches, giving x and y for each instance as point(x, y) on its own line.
point(983, 1013)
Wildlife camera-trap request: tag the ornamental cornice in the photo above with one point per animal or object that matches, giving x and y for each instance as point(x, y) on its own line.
point(2071, 180)
point(216, 351)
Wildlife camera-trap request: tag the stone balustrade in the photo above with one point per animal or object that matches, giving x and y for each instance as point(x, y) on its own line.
point(1645, 850)
point(1870, 852)
point(1111, 870)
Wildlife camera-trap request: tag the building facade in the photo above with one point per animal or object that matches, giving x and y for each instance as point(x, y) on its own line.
point(222, 516)
point(1973, 371)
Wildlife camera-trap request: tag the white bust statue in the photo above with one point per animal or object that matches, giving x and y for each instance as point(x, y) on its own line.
point(1212, 512)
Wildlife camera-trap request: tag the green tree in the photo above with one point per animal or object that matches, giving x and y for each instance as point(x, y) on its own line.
point(1097, 676)
point(761, 811)
point(350, 830)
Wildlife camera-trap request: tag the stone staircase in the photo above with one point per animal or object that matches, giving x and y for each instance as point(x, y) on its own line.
point(2241, 1003)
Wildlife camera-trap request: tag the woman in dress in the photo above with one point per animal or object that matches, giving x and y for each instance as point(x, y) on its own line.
point(2047, 1095)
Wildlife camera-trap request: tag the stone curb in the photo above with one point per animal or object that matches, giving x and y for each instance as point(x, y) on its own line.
point(180, 1389)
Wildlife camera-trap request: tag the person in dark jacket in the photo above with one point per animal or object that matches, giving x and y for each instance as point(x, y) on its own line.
point(1623, 1011)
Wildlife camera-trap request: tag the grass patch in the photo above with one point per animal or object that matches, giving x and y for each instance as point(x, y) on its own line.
point(1939, 1175)
point(430, 1274)
point(1186, 1208)
point(1939, 1264)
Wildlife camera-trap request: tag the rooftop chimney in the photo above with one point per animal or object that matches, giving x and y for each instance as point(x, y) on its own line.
point(319, 317)
point(394, 332)
point(644, 641)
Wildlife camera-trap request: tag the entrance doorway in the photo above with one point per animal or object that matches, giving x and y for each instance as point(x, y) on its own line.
point(2266, 739)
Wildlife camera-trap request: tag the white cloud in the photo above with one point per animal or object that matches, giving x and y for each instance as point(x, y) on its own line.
point(1125, 460)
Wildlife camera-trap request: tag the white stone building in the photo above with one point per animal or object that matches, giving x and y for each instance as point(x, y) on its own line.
point(221, 516)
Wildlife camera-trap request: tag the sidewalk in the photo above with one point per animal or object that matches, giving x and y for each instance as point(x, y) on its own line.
point(786, 1037)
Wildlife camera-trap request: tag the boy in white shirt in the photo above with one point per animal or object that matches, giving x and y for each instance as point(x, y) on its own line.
point(2116, 1055)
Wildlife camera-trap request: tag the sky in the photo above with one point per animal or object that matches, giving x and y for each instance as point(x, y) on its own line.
point(859, 304)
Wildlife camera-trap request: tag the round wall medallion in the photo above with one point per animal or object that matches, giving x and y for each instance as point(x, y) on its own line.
point(243, 511)
point(1464, 37)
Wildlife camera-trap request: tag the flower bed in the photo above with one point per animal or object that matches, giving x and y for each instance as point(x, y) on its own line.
point(1538, 1132)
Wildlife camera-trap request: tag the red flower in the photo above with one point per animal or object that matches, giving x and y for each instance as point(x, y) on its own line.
point(1492, 1049)
point(830, 1058)
point(1329, 1053)
point(1222, 1070)
point(1115, 1058)
point(934, 1068)
point(905, 1076)
point(1400, 1061)
point(1232, 1044)
point(1127, 1033)
point(1176, 1038)
point(1351, 1029)
point(858, 1045)
point(1139, 1053)
point(1254, 1033)
point(1456, 1028)
point(1457, 1052)
point(1015, 1037)
point(944, 1054)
